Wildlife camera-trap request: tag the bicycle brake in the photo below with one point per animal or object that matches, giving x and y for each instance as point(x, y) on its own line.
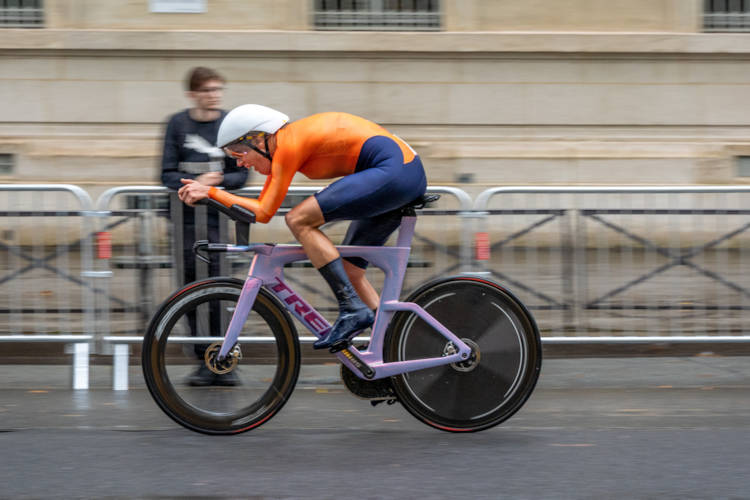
point(197, 247)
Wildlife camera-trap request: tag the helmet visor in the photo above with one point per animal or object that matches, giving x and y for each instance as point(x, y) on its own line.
point(253, 140)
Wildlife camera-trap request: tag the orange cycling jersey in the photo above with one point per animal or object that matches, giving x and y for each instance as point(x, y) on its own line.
point(321, 146)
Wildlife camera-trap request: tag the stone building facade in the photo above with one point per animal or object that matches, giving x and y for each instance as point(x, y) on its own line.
point(503, 92)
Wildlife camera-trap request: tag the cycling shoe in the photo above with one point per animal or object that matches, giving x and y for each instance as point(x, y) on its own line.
point(345, 328)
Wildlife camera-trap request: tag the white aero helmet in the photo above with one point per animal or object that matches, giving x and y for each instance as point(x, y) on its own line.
point(249, 120)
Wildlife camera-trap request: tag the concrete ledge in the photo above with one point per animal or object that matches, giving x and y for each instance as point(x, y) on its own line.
point(374, 42)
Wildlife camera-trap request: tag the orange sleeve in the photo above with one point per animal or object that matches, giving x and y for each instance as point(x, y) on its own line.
point(270, 199)
point(229, 199)
point(275, 190)
point(265, 188)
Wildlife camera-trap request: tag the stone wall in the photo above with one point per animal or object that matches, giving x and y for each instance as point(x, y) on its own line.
point(220, 14)
point(458, 15)
point(87, 107)
point(574, 15)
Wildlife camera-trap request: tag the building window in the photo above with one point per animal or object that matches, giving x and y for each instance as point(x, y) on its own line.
point(726, 15)
point(21, 14)
point(6, 164)
point(743, 166)
point(377, 15)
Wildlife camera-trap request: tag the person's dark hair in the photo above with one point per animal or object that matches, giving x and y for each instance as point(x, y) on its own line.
point(200, 75)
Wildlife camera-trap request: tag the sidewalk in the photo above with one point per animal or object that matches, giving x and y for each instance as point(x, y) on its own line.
point(694, 371)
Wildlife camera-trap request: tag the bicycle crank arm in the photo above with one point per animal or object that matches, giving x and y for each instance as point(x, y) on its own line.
point(355, 362)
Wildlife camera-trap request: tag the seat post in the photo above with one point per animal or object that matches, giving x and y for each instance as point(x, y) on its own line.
point(409, 219)
point(406, 230)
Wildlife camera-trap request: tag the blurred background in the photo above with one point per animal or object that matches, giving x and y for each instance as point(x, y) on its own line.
point(491, 93)
point(627, 121)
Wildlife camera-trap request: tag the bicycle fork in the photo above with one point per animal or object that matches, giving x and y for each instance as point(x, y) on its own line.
point(247, 298)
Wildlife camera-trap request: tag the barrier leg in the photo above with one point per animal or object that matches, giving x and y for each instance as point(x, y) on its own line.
point(80, 365)
point(120, 367)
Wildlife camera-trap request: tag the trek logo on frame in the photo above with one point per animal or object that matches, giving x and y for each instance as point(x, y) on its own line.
point(303, 311)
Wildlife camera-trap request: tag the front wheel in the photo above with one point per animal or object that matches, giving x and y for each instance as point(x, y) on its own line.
point(246, 393)
point(502, 372)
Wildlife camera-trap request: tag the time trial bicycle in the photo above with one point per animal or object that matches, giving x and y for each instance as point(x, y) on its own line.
point(461, 353)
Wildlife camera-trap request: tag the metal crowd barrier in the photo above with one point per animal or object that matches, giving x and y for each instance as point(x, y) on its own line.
point(47, 285)
point(595, 264)
point(623, 264)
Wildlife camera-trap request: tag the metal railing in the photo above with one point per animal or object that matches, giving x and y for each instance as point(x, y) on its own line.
point(611, 264)
point(594, 264)
point(45, 294)
point(131, 267)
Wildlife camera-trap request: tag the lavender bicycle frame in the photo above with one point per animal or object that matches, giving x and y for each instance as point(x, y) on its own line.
point(267, 269)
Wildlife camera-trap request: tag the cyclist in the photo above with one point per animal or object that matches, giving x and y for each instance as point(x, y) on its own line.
point(379, 173)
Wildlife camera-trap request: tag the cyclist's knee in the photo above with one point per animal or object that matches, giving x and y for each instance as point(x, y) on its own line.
point(296, 220)
point(306, 215)
point(291, 220)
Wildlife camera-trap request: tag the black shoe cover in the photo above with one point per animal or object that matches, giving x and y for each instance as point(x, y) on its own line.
point(345, 328)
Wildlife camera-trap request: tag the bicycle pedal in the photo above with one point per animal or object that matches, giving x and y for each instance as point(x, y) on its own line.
point(339, 346)
point(376, 402)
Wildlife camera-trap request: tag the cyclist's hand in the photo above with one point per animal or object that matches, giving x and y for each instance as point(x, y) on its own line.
point(192, 192)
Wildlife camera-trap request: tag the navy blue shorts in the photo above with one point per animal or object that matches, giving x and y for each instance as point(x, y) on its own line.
point(381, 183)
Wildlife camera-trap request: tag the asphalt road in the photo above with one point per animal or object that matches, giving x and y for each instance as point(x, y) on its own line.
point(594, 428)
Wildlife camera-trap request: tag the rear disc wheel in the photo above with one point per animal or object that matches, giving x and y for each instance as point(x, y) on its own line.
point(501, 372)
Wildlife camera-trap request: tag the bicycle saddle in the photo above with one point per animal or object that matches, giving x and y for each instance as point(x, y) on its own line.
point(418, 203)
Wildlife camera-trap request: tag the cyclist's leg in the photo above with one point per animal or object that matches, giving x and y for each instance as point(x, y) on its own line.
point(383, 216)
point(372, 231)
point(304, 222)
point(382, 184)
point(361, 284)
point(354, 315)
point(320, 249)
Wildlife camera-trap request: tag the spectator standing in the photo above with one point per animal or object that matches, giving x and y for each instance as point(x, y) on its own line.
point(190, 153)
